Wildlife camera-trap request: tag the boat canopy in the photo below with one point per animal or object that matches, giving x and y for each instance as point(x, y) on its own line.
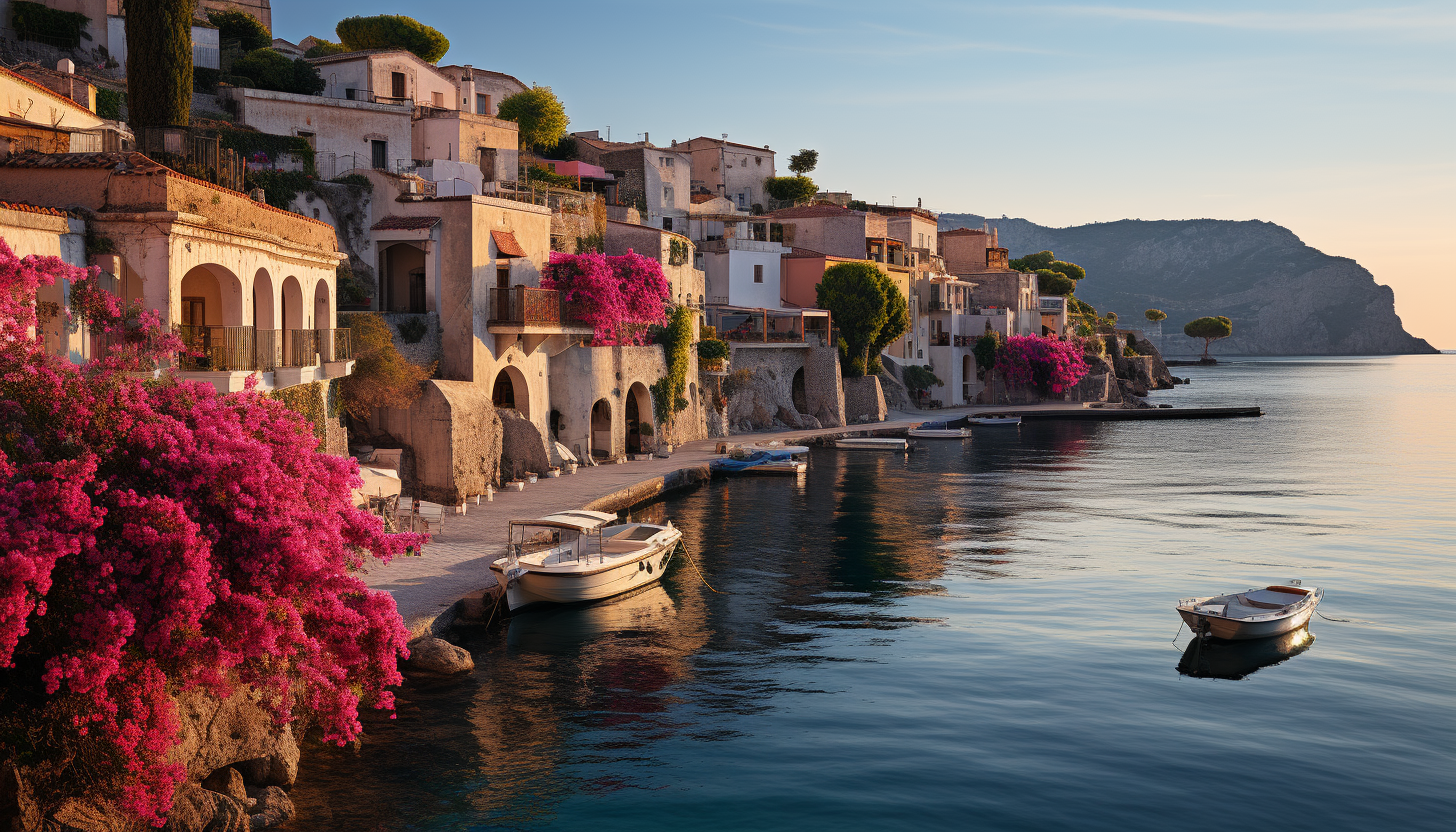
point(580, 519)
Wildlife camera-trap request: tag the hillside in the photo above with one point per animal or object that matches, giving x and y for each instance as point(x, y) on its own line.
point(1284, 297)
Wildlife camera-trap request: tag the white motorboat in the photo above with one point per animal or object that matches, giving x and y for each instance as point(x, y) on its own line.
point(778, 468)
point(1257, 613)
point(995, 421)
point(575, 556)
point(774, 446)
point(872, 443)
point(938, 430)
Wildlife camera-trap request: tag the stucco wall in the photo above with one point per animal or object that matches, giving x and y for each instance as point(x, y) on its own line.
point(340, 127)
point(460, 136)
point(580, 376)
point(455, 436)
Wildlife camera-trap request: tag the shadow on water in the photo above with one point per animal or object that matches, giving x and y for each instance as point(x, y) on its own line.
point(1219, 659)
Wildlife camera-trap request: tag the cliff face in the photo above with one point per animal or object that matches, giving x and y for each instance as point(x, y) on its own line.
point(1284, 297)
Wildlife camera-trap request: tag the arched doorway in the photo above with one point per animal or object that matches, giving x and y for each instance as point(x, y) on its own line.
point(509, 391)
point(298, 347)
point(211, 321)
point(265, 322)
point(801, 399)
point(637, 411)
point(601, 429)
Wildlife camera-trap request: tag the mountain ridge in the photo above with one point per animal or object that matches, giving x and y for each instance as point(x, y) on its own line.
point(1284, 296)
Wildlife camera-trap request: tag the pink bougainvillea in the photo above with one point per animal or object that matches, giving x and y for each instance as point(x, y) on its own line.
point(157, 537)
point(619, 297)
point(1050, 365)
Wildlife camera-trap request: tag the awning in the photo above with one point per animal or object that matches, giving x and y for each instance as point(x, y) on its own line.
point(579, 519)
point(505, 243)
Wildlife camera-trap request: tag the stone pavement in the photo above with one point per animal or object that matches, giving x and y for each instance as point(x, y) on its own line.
point(456, 561)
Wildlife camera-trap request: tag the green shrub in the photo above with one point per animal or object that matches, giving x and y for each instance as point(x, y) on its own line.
point(791, 188)
point(109, 103)
point(273, 70)
point(392, 31)
point(354, 180)
point(41, 23)
point(413, 330)
point(249, 143)
point(280, 187)
point(242, 27)
point(919, 378)
point(711, 349)
point(204, 80)
point(382, 377)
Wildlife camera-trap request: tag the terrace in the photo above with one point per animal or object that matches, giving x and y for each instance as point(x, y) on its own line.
point(747, 327)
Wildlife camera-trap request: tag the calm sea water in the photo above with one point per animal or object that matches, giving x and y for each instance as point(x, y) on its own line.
point(981, 636)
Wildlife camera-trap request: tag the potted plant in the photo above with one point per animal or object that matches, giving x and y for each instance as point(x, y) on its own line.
point(713, 354)
point(553, 472)
point(570, 467)
point(530, 476)
point(644, 430)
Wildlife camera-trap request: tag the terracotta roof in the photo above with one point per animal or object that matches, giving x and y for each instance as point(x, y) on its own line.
point(699, 199)
point(405, 224)
point(136, 162)
point(809, 211)
point(505, 243)
point(31, 209)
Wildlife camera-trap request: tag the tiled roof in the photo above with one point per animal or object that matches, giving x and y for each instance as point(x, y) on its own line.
point(505, 243)
point(47, 90)
point(137, 162)
point(31, 209)
point(699, 199)
point(809, 211)
point(405, 224)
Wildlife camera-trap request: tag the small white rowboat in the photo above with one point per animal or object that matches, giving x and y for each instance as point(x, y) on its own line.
point(574, 556)
point(1257, 613)
point(872, 443)
point(989, 421)
point(938, 430)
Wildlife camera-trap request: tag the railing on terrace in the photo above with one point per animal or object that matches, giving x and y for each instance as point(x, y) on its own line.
point(767, 326)
point(525, 306)
point(243, 348)
point(196, 153)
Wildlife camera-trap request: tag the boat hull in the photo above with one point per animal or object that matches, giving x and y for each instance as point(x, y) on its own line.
point(1240, 629)
point(933, 433)
point(777, 468)
point(990, 421)
point(527, 587)
point(872, 444)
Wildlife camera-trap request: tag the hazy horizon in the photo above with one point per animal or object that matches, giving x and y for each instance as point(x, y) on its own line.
point(1331, 119)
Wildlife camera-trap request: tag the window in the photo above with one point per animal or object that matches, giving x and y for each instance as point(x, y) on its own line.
point(352, 94)
point(379, 150)
point(667, 223)
point(666, 161)
point(482, 104)
point(758, 273)
point(396, 84)
point(438, 99)
point(667, 195)
point(308, 137)
point(315, 213)
point(922, 241)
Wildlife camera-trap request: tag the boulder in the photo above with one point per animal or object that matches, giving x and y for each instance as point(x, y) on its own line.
point(218, 733)
point(437, 656)
point(523, 448)
point(227, 781)
point(196, 809)
point(272, 809)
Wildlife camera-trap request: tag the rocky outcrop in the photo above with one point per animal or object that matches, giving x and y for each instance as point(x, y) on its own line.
point(892, 382)
point(1285, 298)
point(864, 401)
point(438, 657)
point(783, 388)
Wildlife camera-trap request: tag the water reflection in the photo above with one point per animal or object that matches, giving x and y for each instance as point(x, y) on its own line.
point(1218, 659)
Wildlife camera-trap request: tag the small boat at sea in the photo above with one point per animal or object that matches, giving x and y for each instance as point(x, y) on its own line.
point(938, 430)
point(1257, 613)
point(995, 421)
point(779, 462)
point(575, 556)
point(872, 443)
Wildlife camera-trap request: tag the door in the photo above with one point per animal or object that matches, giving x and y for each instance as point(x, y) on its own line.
point(417, 291)
point(380, 151)
point(485, 157)
point(503, 293)
point(396, 83)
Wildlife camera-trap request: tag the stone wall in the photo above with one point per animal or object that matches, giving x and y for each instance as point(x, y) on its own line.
point(523, 448)
point(789, 387)
point(864, 401)
point(454, 433)
point(583, 376)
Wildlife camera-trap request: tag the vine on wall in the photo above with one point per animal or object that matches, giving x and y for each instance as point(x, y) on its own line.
point(667, 392)
point(307, 400)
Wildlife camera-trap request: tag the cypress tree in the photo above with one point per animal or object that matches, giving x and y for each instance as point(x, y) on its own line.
point(159, 62)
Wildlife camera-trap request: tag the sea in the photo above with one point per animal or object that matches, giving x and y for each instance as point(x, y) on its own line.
point(981, 635)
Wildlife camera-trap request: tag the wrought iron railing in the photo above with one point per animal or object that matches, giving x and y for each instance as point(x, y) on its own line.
point(300, 347)
point(217, 348)
point(242, 348)
point(196, 153)
point(525, 306)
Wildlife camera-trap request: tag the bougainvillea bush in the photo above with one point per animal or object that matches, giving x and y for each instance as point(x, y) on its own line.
point(157, 537)
point(1049, 365)
point(619, 297)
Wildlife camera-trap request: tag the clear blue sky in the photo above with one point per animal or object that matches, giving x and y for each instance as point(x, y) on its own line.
point(1336, 119)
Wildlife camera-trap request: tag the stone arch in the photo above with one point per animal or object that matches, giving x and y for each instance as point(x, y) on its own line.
point(265, 315)
point(693, 394)
point(211, 296)
point(509, 391)
point(601, 428)
point(402, 278)
point(322, 305)
point(291, 308)
point(637, 409)
point(797, 392)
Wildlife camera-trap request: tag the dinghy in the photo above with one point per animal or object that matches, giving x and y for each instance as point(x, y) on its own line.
point(1257, 613)
point(996, 421)
point(938, 430)
point(872, 443)
point(575, 556)
point(776, 462)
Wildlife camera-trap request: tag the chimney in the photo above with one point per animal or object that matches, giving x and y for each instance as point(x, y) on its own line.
point(646, 138)
point(467, 91)
point(995, 238)
point(66, 66)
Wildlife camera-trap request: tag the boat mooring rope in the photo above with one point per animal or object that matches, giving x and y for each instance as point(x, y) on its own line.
point(1327, 618)
point(684, 547)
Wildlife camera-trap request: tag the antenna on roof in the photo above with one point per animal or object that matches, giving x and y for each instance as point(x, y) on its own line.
point(725, 137)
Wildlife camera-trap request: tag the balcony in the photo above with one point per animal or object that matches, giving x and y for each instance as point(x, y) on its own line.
point(532, 315)
point(294, 356)
point(771, 327)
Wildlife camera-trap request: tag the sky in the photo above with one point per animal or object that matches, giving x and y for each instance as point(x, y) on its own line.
point(1334, 119)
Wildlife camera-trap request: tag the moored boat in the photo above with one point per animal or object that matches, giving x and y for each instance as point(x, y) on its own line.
point(1257, 613)
point(575, 556)
point(872, 443)
point(780, 461)
point(995, 421)
point(938, 430)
